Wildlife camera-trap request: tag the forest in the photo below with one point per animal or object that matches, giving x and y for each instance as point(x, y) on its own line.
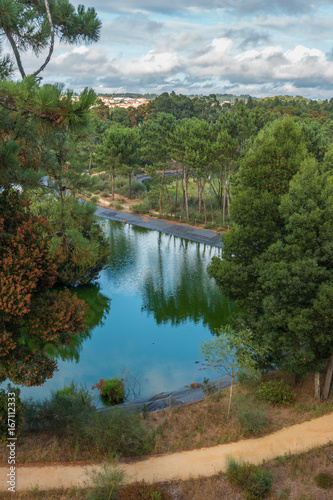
point(259, 171)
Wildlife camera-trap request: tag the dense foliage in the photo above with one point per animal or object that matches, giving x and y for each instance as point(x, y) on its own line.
point(37, 121)
point(33, 317)
point(277, 261)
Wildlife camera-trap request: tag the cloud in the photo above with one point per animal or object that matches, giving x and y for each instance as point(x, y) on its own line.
point(131, 29)
point(219, 65)
point(248, 37)
point(179, 6)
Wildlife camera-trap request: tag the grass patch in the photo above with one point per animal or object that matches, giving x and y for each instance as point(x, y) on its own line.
point(251, 416)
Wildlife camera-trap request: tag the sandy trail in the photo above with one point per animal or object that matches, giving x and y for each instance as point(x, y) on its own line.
point(183, 465)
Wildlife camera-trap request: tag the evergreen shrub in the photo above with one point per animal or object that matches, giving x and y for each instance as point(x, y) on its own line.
point(276, 393)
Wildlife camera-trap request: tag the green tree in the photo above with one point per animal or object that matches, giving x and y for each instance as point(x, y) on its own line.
point(34, 25)
point(119, 152)
point(156, 147)
point(231, 351)
point(263, 178)
point(281, 272)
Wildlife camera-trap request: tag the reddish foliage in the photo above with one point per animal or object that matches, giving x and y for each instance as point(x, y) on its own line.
point(32, 315)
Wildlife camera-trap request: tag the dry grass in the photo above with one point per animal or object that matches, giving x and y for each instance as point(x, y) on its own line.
point(293, 479)
point(205, 423)
point(184, 428)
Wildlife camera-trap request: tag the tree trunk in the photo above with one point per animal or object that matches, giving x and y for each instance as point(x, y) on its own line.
point(90, 162)
point(317, 385)
point(211, 206)
point(205, 211)
point(230, 395)
point(113, 183)
point(183, 189)
point(328, 378)
point(224, 203)
point(161, 190)
point(129, 185)
point(186, 194)
point(176, 195)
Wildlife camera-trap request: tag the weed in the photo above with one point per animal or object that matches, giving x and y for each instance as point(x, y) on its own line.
point(252, 417)
point(106, 482)
point(255, 481)
point(208, 388)
point(285, 493)
point(324, 480)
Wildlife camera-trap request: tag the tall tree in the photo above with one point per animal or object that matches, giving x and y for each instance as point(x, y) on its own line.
point(277, 260)
point(119, 152)
point(156, 146)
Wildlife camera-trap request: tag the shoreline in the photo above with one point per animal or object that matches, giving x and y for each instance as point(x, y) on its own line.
point(204, 236)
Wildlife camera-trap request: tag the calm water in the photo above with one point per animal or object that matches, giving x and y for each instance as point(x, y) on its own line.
point(150, 310)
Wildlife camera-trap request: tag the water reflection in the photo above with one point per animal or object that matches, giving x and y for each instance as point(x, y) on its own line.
point(163, 305)
point(99, 307)
point(170, 275)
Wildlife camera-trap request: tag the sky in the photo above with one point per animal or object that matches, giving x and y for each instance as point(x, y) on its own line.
point(261, 48)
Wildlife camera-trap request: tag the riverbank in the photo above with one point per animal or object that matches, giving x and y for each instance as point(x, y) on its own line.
point(205, 236)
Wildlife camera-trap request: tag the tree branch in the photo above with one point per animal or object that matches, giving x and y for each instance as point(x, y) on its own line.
point(49, 18)
point(15, 50)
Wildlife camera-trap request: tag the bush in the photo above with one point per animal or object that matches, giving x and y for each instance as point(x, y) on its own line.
point(143, 491)
point(276, 393)
point(111, 391)
point(119, 432)
point(106, 482)
point(11, 407)
point(66, 410)
point(324, 480)
point(255, 481)
point(251, 416)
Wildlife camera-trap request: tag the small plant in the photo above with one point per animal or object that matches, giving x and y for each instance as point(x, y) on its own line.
point(106, 482)
point(143, 491)
point(111, 391)
point(207, 387)
point(252, 417)
point(255, 481)
point(276, 393)
point(324, 480)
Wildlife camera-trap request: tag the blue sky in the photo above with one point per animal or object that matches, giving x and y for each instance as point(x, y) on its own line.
point(203, 46)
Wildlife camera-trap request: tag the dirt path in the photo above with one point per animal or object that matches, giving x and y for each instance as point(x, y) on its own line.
point(184, 465)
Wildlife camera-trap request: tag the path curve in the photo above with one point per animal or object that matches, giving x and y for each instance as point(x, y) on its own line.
point(184, 465)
